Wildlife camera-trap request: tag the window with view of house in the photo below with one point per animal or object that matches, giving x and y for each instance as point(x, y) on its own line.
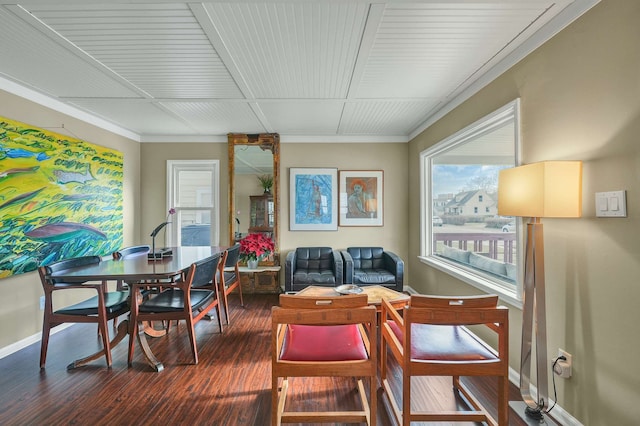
point(192, 191)
point(462, 232)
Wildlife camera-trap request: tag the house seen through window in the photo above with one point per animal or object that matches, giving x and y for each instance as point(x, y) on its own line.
point(462, 231)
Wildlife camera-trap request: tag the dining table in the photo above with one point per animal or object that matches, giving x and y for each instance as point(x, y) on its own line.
point(136, 268)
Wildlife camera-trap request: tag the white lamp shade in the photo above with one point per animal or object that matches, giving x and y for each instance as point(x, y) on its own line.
point(545, 189)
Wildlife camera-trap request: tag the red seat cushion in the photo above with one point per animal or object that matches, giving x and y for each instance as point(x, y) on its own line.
point(323, 343)
point(444, 343)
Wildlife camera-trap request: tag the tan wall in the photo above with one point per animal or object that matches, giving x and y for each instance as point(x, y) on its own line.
point(20, 314)
point(389, 157)
point(580, 100)
point(153, 167)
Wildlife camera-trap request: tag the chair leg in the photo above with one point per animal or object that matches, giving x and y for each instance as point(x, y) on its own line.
point(406, 398)
point(373, 400)
point(44, 343)
point(133, 334)
point(226, 306)
point(104, 330)
point(192, 339)
point(275, 418)
point(240, 292)
point(503, 400)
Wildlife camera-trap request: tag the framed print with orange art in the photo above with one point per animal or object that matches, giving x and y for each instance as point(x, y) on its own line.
point(361, 197)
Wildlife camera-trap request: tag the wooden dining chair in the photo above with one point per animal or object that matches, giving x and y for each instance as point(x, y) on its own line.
point(430, 338)
point(176, 300)
point(229, 275)
point(99, 309)
point(128, 252)
point(207, 279)
point(323, 337)
point(131, 251)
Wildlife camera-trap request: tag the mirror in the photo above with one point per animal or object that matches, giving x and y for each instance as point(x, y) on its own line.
point(251, 207)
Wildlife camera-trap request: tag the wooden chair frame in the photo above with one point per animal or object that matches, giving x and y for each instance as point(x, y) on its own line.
point(448, 311)
point(352, 309)
point(227, 288)
point(190, 314)
point(103, 307)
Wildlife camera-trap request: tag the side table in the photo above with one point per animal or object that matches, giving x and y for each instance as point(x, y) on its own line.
point(263, 279)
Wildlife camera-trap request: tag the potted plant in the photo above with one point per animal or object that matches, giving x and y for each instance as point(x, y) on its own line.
point(254, 248)
point(266, 182)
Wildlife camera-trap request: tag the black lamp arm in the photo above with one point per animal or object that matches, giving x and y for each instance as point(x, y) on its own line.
point(158, 228)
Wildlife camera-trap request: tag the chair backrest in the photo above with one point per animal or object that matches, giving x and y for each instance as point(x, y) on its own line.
point(130, 251)
point(461, 310)
point(367, 257)
point(233, 255)
point(314, 258)
point(64, 265)
point(291, 301)
point(206, 269)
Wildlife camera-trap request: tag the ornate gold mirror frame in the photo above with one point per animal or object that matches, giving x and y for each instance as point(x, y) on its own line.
point(267, 142)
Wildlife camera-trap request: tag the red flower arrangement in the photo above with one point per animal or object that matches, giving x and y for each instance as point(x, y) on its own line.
point(256, 247)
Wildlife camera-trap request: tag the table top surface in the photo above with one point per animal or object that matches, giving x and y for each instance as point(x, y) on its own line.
point(375, 293)
point(138, 267)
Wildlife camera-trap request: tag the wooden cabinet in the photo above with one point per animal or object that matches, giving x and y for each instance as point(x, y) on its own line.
point(261, 213)
point(265, 279)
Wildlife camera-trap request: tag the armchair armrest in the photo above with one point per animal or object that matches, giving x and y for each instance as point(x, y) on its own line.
point(338, 267)
point(394, 264)
point(348, 266)
point(289, 269)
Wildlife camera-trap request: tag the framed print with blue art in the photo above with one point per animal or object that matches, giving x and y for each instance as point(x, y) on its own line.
point(313, 202)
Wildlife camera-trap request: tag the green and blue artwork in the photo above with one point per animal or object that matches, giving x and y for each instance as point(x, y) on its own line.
point(60, 197)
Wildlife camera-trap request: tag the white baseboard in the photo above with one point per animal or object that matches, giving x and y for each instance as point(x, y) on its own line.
point(15, 347)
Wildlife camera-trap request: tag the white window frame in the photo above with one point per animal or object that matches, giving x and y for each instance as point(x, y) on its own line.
point(510, 293)
point(176, 166)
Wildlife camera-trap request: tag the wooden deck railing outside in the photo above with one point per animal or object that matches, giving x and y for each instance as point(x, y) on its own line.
point(499, 245)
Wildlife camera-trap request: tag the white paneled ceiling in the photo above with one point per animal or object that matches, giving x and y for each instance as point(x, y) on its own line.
point(317, 70)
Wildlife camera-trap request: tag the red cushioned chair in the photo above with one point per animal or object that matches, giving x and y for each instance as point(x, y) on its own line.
point(323, 337)
point(430, 339)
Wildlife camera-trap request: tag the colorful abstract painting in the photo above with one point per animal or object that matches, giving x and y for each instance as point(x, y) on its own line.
point(60, 197)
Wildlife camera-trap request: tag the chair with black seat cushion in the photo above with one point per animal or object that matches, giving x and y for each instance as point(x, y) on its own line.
point(323, 337)
point(373, 266)
point(207, 279)
point(99, 309)
point(176, 301)
point(318, 266)
point(230, 276)
point(430, 338)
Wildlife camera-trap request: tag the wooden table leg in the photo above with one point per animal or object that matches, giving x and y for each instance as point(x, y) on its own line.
point(148, 354)
point(123, 330)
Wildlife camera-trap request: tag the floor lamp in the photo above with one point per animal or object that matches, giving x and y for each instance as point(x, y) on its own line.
point(545, 189)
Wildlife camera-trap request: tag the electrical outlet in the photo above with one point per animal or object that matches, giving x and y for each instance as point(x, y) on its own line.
point(563, 367)
point(42, 303)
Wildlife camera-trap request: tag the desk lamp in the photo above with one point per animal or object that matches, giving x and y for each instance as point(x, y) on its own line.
point(550, 189)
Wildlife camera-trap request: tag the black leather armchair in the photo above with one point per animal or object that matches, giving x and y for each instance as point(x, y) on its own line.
point(373, 266)
point(305, 266)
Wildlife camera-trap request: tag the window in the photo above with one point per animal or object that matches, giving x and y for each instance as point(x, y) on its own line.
point(459, 186)
point(193, 188)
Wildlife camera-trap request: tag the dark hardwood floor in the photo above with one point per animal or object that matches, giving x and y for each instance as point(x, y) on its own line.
point(230, 386)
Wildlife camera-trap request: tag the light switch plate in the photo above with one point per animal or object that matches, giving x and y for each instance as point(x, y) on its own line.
point(611, 204)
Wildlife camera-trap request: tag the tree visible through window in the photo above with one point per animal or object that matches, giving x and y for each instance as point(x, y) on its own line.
point(462, 232)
